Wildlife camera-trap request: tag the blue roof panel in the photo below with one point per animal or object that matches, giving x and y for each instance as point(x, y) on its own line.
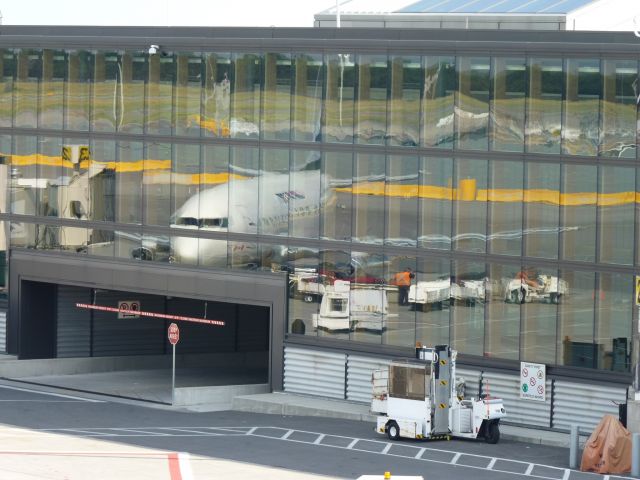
point(494, 6)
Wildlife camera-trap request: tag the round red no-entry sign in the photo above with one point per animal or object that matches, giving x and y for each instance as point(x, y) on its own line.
point(173, 334)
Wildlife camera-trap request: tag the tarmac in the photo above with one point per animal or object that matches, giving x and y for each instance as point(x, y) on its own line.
point(288, 404)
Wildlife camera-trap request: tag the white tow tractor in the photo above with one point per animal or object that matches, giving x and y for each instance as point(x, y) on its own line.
point(420, 399)
point(546, 288)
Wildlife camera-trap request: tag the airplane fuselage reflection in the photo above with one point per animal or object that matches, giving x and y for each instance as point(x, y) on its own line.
point(283, 203)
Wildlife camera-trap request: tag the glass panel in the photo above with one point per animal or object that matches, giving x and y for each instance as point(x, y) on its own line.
point(24, 175)
point(544, 105)
point(101, 243)
point(71, 239)
point(187, 94)
point(401, 191)
point(46, 237)
point(217, 95)
point(616, 199)
point(276, 116)
point(436, 194)
point(128, 180)
point(505, 208)
point(307, 100)
point(576, 345)
point(542, 210)
point(368, 198)
point(471, 205)
point(22, 234)
point(73, 192)
point(275, 196)
point(103, 184)
point(8, 69)
point(508, 104)
point(339, 98)
point(618, 138)
point(306, 292)
point(28, 76)
point(78, 98)
point(54, 71)
point(129, 245)
point(368, 301)
point(472, 115)
point(503, 313)
point(400, 318)
point(272, 257)
point(440, 86)
point(430, 296)
point(212, 253)
point(132, 86)
point(404, 104)
point(246, 95)
point(162, 73)
point(468, 296)
point(614, 321)
point(4, 258)
point(582, 107)
point(157, 184)
point(335, 274)
point(371, 125)
point(539, 290)
point(185, 183)
point(305, 198)
point(579, 212)
point(242, 255)
point(243, 206)
point(105, 91)
point(50, 185)
point(337, 181)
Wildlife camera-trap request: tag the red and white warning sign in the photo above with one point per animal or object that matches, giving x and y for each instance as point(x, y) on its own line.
point(533, 379)
point(129, 309)
point(173, 334)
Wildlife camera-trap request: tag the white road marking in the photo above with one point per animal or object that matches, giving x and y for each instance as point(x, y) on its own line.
point(492, 463)
point(193, 431)
point(319, 439)
point(567, 472)
point(23, 400)
point(353, 443)
point(286, 435)
point(386, 449)
point(455, 458)
point(142, 432)
point(185, 466)
point(18, 389)
point(529, 469)
point(419, 454)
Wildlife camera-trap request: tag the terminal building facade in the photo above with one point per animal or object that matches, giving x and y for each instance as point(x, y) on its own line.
point(288, 182)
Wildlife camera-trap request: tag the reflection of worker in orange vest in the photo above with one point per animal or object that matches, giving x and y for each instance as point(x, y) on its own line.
point(523, 276)
point(403, 281)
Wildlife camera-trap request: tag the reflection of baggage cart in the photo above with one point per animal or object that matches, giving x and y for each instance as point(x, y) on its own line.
point(468, 291)
point(309, 284)
point(430, 293)
point(546, 288)
point(422, 399)
point(344, 309)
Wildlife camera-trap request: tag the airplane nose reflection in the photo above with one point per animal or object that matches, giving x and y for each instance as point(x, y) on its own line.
point(189, 250)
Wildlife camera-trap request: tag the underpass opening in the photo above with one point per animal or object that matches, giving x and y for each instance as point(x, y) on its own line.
point(116, 343)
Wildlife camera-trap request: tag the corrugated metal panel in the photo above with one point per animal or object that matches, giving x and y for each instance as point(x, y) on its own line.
point(523, 412)
point(132, 336)
point(73, 324)
point(584, 404)
point(3, 332)
point(313, 372)
point(471, 381)
point(359, 370)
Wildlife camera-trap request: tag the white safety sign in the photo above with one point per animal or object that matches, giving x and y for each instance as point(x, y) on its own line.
point(129, 309)
point(533, 380)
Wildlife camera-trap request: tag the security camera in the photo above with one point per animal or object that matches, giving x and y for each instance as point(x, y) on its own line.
point(153, 49)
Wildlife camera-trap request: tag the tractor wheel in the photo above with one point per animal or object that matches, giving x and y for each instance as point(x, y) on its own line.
point(393, 431)
point(492, 433)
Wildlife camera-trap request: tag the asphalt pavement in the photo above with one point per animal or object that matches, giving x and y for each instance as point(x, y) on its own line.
point(50, 433)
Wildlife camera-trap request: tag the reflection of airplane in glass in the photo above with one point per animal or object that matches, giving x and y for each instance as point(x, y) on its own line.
point(232, 207)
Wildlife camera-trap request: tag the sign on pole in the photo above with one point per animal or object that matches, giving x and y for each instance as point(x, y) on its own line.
point(129, 309)
point(533, 381)
point(637, 290)
point(173, 334)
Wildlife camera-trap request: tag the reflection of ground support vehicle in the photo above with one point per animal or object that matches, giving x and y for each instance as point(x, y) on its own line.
point(430, 293)
point(420, 399)
point(308, 284)
point(344, 309)
point(470, 291)
point(547, 288)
